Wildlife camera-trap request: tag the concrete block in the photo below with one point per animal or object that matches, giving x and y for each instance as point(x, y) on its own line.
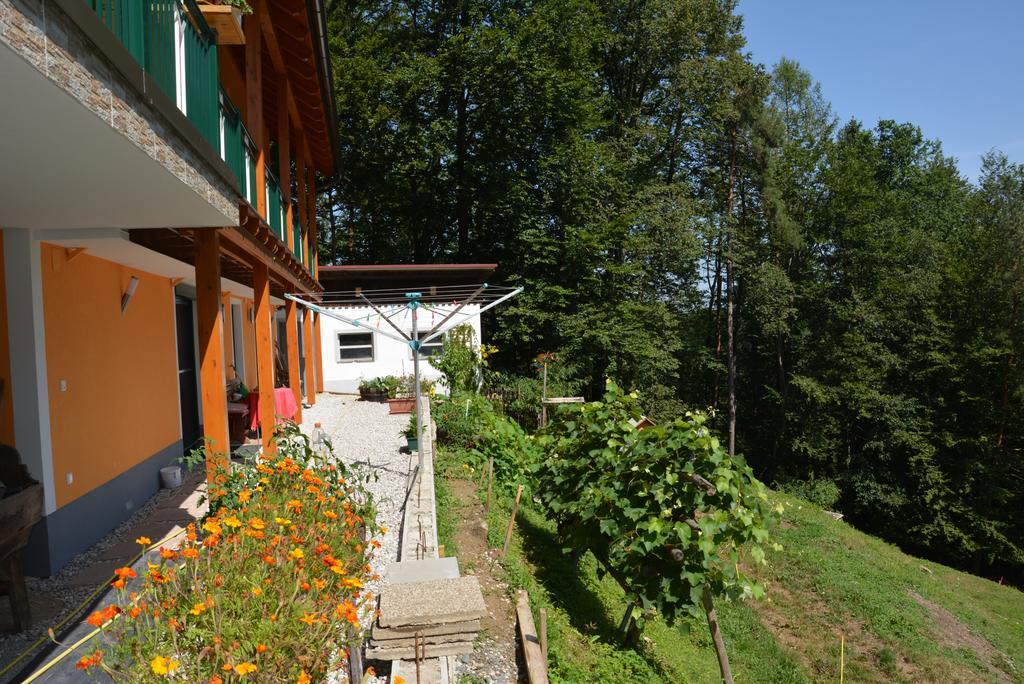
point(432, 603)
point(383, 633)
point(422, 570)
point(435, 640)
point(408, 654)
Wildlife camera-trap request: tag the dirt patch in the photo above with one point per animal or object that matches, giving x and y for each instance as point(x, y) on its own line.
point(807, 628)
point(496, 659)
point(954, 634)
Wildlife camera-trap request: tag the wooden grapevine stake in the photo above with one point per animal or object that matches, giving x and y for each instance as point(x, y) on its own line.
point(490, 484)
point(512, 521)
point(716, 637)
point(544, 633)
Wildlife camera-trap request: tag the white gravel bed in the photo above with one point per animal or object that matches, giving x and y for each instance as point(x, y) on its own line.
point(364, 434)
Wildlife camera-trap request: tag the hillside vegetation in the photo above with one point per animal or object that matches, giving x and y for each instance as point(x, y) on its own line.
point(902, 619)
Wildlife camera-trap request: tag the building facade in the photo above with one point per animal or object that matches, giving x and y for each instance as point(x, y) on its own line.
point(157, 202)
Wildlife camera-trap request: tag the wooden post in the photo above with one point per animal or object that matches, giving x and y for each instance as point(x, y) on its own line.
point(512, 522)
point(300, 174)
point(307, 344)
point(490, 485)
point(318, 353)
point(716, 637)
point(254, 99)
point(536, 664)
point(544, 634)
point(264, 353)
point(211, 350)
point(291, 325)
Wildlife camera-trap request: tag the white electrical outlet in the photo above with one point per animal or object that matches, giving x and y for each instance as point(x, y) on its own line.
point(63, 384)
point(69, 478)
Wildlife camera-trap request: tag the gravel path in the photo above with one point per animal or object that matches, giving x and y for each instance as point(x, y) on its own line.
point(364, 433)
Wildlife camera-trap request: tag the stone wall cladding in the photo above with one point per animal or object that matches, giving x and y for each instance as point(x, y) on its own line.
point(46, 38)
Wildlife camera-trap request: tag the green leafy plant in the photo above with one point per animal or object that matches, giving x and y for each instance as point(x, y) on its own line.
point(665, 509)
point(461, 360)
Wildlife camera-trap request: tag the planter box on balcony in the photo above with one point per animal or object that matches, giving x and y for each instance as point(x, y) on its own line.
point(403, 405)
point(226, 21)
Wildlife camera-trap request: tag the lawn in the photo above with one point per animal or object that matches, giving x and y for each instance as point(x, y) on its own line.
point(898, 618)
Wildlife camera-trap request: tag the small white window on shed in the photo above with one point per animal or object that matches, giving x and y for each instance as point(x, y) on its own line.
point(354, 347)
point(434, 347)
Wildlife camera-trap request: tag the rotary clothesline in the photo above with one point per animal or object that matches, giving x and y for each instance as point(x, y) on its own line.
point(409, 301)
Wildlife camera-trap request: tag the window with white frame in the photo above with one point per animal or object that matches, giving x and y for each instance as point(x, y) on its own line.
point(434, 347)
point(354, 347)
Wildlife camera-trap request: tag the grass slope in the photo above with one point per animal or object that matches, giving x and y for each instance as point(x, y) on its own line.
point(902, 619)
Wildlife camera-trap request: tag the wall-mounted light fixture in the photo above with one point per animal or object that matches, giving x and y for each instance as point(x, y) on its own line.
point(129, 292)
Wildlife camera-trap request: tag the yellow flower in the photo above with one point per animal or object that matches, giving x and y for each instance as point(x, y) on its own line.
point(212, 527)
point(308, 618)
point(244, 495)
point(143, 541)
point(256, 591)
point(232, 522)
point(198, 609)
point(244, 668)
point(283, 521)
point(303, 678)
point(296, 554)
point(256, 524)
point(352, 582)
point(163, 666)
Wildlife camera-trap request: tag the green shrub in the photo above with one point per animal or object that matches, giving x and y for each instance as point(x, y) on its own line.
point(460, 363)
point(460, 418)
point(821, 492)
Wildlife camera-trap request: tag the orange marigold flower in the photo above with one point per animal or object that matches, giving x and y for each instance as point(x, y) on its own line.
point(134, 611)
point(85, 662)
point(244, 495)
point(399, 679)
point(126, 572)
point(283, 521)
point(198, 609)
point(256, 591)
point(244, 668)
point(232, 521)
point(118, 584)
point(168, 554)
point(189, 552)
point(303, 678)
point(269, 560)
point(216, 680)
point(297, 554)
point(295, 505)
point(261, 648)
point(308, 618)
point(212, 527)
point(143, 541)
point(163, 666)
point(331, 514)
point(257, 524)
point(319, 583)
point(305, 586)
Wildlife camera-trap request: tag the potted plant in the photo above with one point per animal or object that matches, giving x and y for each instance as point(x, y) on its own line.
point(401, 398)
point(411, 440)
point(375, 389)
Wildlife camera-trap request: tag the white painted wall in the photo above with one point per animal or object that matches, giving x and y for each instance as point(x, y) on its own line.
point(390, 357)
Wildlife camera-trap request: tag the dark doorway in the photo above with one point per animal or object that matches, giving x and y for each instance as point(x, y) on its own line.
point(187, 389)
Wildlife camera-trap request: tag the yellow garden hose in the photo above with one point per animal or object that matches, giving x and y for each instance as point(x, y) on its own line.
point(76, 611)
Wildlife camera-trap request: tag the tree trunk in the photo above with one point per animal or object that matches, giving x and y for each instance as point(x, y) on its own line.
point(716, 637)
point(462, 203)
point(730, 299)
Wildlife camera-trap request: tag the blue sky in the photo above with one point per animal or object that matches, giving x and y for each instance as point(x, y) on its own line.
point(953, 67)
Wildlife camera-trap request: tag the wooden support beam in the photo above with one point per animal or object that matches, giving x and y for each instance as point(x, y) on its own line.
point(307, 343)
point(291, 325)
point(264, 353)
point(318, 354)
point(536, 663)
point(300, 172)
point(211, 351)
point(254, 99)
point(277, 59)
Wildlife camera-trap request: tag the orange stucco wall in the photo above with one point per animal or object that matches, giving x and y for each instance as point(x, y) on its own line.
point(120, 405)
point(6, 404)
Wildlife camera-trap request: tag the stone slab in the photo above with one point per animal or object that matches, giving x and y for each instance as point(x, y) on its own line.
point(408, 654)
point(431, 671)
point(436, 639)
point(427, 630)
point(432, 603)
point(423, 570)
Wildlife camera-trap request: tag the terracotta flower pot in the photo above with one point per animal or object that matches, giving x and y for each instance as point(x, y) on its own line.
point(403, 405)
